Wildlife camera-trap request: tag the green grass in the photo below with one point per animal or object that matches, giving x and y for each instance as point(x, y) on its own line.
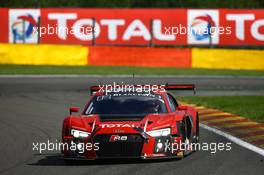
point(109, 70)
point(247, 106)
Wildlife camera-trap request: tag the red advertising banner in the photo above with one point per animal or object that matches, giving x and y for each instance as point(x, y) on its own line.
point(4, 25)
point(223, 27)
point(247, 27)
point(113, 26)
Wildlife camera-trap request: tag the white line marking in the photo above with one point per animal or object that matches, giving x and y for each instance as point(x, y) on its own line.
point(234, 139)
point(127, 76)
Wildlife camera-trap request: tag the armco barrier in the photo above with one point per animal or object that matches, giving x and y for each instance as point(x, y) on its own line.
point(132, 56)
point(228, 59)
point(43, 54)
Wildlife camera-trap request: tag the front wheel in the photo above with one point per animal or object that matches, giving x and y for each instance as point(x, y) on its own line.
point(69, 161)
point(184, 147)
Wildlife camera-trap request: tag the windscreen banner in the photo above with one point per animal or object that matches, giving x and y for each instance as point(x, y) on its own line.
point(133, 27)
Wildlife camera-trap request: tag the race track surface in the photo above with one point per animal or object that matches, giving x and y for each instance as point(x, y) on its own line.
point(32, 110)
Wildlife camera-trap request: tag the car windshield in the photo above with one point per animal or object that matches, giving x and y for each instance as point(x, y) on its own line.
point(126, 106)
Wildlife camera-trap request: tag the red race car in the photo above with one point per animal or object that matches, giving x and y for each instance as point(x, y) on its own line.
point(131, 124)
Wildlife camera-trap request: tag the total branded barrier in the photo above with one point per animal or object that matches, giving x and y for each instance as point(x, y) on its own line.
point(147, 27)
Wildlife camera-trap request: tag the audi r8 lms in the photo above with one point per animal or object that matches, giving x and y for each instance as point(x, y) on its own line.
point(125, 124)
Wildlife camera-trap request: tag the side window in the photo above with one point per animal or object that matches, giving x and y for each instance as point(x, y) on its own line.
point(172, 102)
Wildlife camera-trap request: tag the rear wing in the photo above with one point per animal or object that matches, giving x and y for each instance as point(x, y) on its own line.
point(180, 87)
point(167, 87)
point(94, 89)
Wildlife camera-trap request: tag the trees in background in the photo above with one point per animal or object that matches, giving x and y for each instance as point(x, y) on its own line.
point(135, 3)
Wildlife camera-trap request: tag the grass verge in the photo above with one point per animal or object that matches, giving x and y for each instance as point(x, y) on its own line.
point(246, 106)
point(110, 70)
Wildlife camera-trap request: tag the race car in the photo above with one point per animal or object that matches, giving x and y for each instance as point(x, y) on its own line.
point(124, 124)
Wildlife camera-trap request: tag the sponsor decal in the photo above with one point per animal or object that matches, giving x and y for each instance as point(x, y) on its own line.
point(203, 25)
point(134, 26)
point(119, 131)
point(21, 25)
point(115, 138)
point(207, 31)
point(247, 27)
point(117, 125)
point(128, 26)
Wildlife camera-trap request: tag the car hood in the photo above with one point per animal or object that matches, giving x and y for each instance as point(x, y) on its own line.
point(93, 123)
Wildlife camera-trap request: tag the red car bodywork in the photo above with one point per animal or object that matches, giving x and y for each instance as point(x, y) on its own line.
point(130, 139)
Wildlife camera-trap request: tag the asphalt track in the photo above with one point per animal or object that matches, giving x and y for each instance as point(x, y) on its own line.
point(32, 110)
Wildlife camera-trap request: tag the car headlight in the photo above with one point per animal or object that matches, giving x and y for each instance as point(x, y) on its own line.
point(159, 132)
point(79, 134)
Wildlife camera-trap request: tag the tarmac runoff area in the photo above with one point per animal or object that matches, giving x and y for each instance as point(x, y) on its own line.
point(32, 110)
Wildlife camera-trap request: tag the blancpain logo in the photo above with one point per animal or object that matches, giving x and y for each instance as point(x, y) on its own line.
point(117, 125)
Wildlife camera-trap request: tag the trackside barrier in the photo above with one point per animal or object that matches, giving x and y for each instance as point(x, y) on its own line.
point(228, 59)
point(133, 27)
point(76, 55)
point(133, 56)
point(43, 54)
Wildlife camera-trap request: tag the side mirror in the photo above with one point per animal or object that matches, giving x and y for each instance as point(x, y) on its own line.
point(74, 109)
point(182, 107)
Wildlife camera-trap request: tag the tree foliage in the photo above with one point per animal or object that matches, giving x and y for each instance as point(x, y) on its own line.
point(134, 3)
